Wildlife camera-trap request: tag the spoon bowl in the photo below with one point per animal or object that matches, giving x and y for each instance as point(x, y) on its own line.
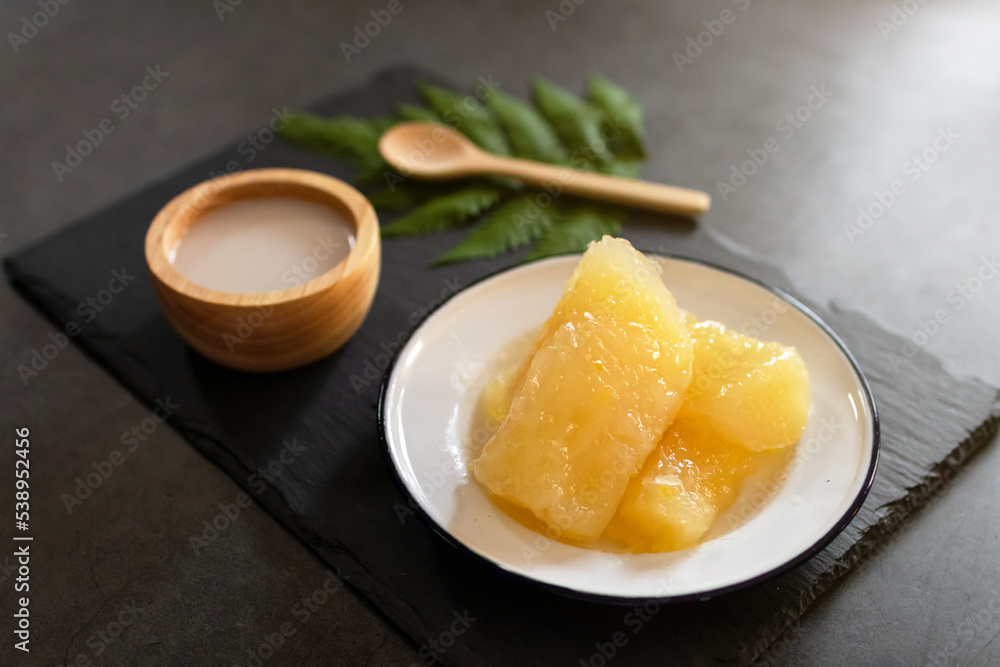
point(428, 150)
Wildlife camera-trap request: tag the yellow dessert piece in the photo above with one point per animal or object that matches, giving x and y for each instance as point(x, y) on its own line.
point(746, 397)
point(606, 376)
point(693, 475)
point(753, 392)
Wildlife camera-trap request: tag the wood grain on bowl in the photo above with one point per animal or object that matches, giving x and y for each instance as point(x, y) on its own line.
point(275, 330)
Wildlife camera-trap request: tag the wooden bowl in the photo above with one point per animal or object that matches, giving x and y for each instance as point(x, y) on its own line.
point(275, 330)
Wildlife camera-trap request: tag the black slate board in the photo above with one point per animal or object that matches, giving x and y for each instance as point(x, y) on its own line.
point(338, 497)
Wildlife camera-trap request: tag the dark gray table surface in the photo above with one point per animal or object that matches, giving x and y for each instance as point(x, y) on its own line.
point(930, 596)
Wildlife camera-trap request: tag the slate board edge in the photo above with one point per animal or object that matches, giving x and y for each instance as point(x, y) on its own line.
point(892, 521)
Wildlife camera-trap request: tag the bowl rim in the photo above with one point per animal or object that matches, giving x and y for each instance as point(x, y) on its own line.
point(817, 546)
point(203, 197)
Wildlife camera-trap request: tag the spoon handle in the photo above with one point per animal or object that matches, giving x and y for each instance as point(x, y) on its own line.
point(641, 194)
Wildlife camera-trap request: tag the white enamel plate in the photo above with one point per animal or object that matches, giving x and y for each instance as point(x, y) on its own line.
point(428, 416)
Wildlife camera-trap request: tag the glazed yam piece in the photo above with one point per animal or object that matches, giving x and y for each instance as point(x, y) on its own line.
point(606, 377)
point(754, 393)
point(746, 397)
point(693, 475)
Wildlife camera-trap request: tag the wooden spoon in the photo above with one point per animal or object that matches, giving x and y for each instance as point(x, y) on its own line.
point(436, 152)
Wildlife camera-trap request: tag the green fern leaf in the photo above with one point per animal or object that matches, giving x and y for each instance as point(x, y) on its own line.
point(621, 168)
point(354, 140)
point(577, 123)
point(467, 115)
point(407, 195)
point(444, 212)
point(412, 112)
point(530, 136)
point(622, 116)
point(575, 229)
point(514, 224)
